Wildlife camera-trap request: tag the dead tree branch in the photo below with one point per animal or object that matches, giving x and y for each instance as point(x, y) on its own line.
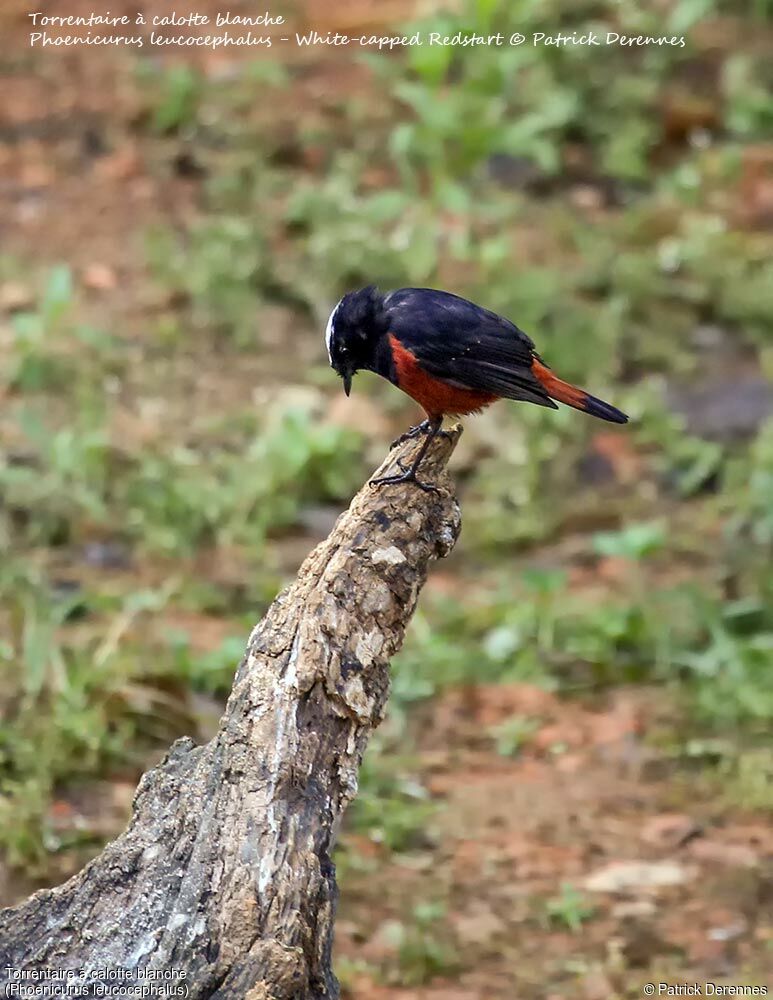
point(223, 877)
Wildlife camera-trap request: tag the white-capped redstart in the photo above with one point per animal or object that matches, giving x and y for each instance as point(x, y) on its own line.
point(452, 356)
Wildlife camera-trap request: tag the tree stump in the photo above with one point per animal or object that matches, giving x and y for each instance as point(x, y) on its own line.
point(222, 885)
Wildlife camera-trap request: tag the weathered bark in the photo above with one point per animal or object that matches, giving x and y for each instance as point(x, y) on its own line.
point(224, 872)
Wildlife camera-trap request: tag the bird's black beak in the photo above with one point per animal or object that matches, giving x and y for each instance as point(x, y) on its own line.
point(347, 377)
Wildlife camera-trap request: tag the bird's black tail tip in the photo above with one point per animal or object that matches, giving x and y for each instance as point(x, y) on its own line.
point(598, 408)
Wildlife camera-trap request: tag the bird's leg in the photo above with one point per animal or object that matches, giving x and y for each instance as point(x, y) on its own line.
point(409, 475)
point(414, 432)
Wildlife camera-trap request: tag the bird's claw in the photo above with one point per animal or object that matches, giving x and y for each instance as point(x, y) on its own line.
point(409, 435)
point(407, 476)
point(417, 431)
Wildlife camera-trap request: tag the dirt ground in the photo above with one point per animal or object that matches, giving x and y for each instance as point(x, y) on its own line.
point(679, 884)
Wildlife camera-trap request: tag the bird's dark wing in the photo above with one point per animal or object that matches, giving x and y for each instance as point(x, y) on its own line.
point(465, 345)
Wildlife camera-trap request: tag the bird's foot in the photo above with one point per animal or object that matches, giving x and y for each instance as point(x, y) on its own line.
point(406, 476)
point(409, 435)
point(423, 428)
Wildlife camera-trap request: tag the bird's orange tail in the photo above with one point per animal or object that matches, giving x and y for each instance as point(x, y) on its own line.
point(556, 388)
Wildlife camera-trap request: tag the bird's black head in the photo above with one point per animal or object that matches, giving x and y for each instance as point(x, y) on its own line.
point(355, 331)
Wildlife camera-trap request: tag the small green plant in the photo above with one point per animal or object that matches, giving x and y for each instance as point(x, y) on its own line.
point(69, 702)
point(424, 948)
point(747, 95)
point(221, 270)
point(747, 779)
point(177, 93)
point(62, 479)
point(349, 970)
point(178, 498)
point(46, 338)
point(569, 909)
point(634, 541)
point(36, 363)
point(392, 807)
point(335, 220)
point(511, 735)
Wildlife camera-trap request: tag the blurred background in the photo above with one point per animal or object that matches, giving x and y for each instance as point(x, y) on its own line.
point(572, 792)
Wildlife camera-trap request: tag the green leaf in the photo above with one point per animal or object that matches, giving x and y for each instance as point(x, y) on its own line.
point(58, 293)
point(633, 542)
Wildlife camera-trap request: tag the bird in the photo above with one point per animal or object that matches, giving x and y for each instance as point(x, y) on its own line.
point(451, 356)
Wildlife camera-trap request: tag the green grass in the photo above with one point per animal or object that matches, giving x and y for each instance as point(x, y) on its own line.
point(570, 909)
point(424, 948)
point(542, 181)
